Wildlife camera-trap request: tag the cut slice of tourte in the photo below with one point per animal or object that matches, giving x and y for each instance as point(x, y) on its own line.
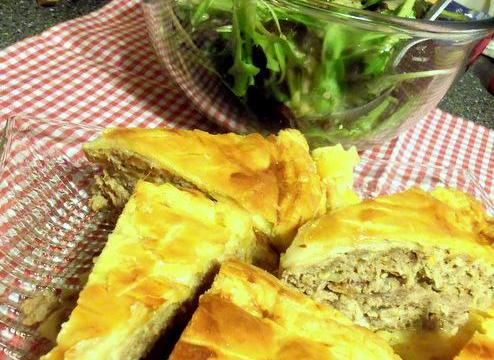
point(250, 314)
point(411, 261)
point(275, 179)
point(166, 244)
point(228, 167)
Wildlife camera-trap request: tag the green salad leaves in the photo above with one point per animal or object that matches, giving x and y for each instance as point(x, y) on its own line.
point(305, 67)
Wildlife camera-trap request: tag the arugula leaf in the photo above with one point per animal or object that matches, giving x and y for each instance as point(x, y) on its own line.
point(200, 12)
point(243, 70)
point(407, 9)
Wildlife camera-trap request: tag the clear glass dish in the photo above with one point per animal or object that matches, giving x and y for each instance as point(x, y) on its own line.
point(340, 75)
point(49, 236)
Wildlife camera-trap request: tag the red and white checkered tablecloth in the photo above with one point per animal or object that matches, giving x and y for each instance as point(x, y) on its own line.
point(100, 70)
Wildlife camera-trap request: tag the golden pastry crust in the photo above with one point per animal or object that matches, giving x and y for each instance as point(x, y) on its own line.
point(411, 262)
point(481, 345)
point(429, 345)
point(164, 244)
point(413, 218)
point(302, 194)
point(474, 341)
point(275, 179)
point(335, 166)
point(249, 314)
point(228, 167)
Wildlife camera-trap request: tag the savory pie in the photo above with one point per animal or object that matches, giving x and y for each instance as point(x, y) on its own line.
point(406, 262)
point(232, 168)
point(275, 179)
point(415, 268)
point(250, 314)
point(165, 247)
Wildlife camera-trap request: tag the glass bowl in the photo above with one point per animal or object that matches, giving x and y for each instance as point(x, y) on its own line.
point(338, 74)
point(49, 235)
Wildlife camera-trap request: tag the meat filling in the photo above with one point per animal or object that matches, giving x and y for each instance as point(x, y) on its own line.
point(120, 173)
point(400, 288)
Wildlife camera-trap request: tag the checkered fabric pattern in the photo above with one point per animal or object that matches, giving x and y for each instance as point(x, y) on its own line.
point(63, 86)
point(100, 70)
point(447, 143)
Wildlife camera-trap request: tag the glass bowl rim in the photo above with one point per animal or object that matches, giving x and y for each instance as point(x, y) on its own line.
point(439, 29)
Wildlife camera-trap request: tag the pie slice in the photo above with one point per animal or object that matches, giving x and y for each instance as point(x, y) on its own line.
point(166, 244)
point(238, 169)
point(275, 179)
point(249, 314)
point(408, 261)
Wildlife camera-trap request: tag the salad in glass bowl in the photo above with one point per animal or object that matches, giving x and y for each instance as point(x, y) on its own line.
point(342, 71)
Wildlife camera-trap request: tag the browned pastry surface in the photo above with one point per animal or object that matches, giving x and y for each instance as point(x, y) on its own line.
point(249, 314)
point(164, 245)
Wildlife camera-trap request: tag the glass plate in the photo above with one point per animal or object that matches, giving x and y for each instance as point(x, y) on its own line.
point(49, 236)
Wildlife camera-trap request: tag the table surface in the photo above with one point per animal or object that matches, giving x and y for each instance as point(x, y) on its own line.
point(22, 18)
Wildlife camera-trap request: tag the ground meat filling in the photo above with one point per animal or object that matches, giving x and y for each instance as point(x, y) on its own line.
point(121, 171)
point(400, 288)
